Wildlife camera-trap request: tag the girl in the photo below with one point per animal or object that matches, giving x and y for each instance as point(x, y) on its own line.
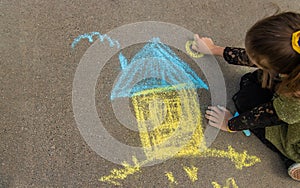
point(269, 98)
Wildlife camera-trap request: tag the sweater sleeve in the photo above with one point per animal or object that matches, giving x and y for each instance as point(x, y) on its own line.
point(288, 109)
point(237, 56)
point(261, 116)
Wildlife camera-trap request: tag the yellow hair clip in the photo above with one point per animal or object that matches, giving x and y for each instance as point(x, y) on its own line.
point(296, 41)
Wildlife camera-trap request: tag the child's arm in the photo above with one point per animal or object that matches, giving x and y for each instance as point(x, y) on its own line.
point(261, 116)
point(236, 56)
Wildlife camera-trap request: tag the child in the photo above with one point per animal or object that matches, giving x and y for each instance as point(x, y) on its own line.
point(269, 98)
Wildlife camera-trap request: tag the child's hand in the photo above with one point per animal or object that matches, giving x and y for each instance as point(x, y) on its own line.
point(205, 45)
point(218, 117)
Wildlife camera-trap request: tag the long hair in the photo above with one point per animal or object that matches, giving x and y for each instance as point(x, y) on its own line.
point(269, 44)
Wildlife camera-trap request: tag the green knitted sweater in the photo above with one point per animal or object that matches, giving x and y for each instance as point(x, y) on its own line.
point(286, 138)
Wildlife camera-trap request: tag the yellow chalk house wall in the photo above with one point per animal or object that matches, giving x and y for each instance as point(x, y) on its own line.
point(169, 121)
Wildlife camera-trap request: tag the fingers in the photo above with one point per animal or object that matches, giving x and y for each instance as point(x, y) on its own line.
point(199, 41)
point(196, 37)
point(218, 108)
point(215, 109)
point(211, 117)
point(194, 46)
point(218, 117)
point(215, 114)
point(203, 44)
point(196, 42)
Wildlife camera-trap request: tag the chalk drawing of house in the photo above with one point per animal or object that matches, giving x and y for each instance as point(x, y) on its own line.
point(163, 92)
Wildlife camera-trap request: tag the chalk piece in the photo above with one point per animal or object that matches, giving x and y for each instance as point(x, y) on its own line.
point(246, 132)
point(236, 114)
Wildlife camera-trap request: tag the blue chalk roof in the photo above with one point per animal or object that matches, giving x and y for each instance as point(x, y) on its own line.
point(154, 66)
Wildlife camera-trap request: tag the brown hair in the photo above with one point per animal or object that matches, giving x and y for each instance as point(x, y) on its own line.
point(268, 43)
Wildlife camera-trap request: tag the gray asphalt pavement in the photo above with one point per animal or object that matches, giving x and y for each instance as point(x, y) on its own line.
point(40, 142)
